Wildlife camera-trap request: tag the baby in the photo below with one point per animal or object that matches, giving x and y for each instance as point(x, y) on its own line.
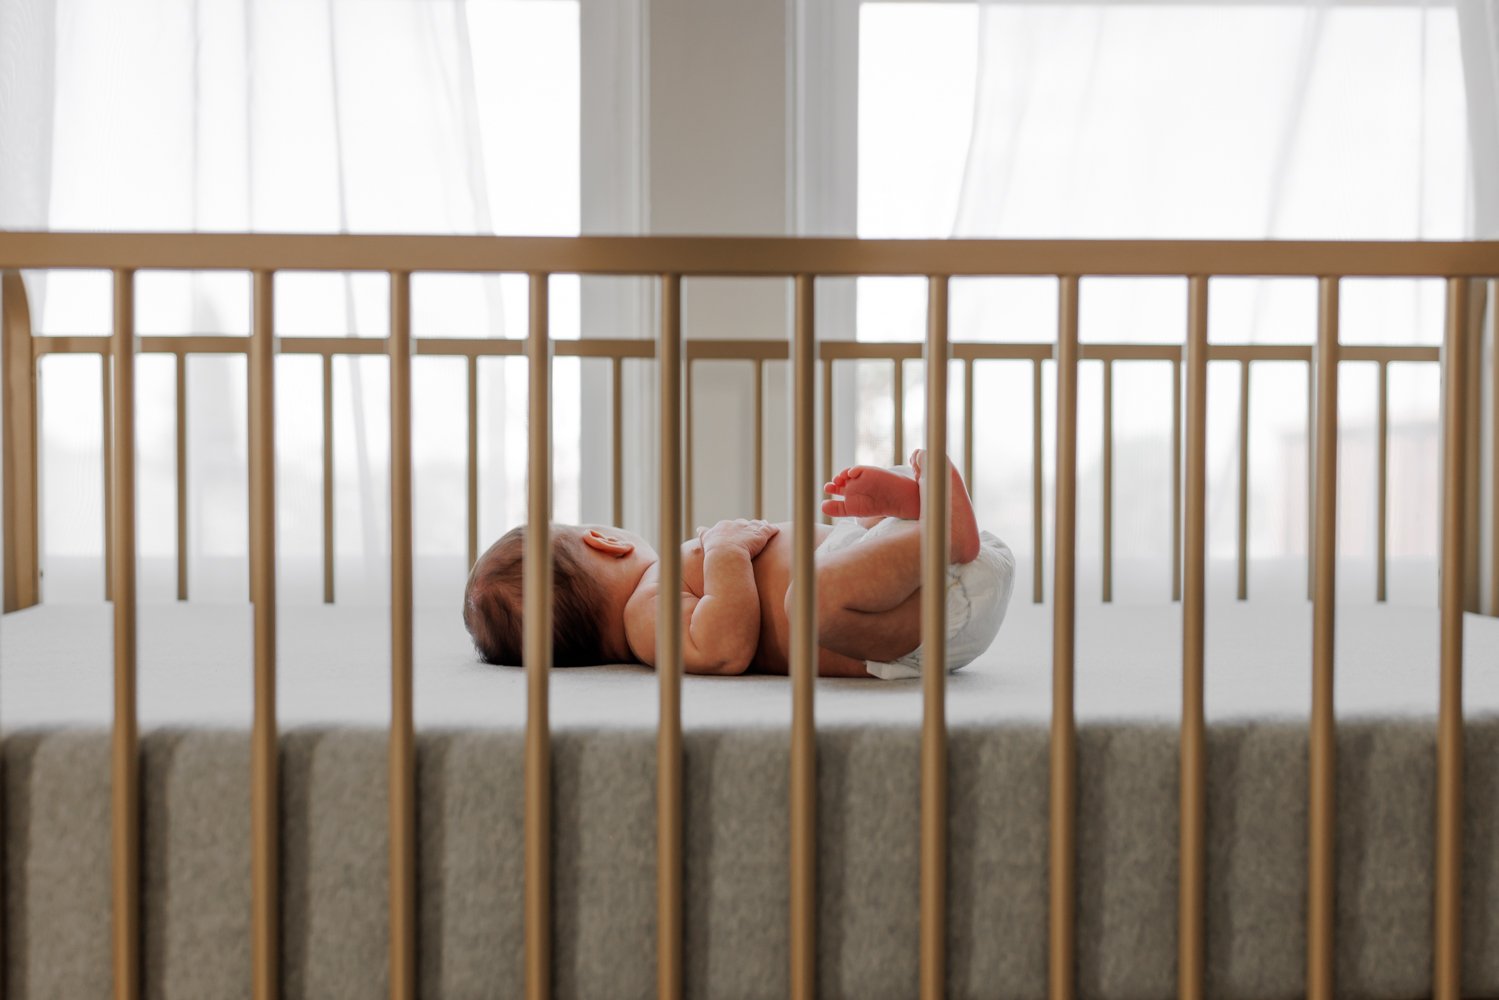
point(737, 594)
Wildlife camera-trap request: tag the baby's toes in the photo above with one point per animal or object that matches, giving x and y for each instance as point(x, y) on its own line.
point(834, 508)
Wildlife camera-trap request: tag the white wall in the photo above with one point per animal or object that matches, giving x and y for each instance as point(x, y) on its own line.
point(719, 159)
point(705, 141)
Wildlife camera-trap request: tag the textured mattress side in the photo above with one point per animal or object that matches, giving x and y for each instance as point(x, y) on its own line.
point(334, 853)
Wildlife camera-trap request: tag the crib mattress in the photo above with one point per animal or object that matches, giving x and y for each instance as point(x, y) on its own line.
point(333, 703)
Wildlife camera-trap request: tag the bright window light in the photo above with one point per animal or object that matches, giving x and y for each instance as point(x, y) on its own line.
point(494, 88)
point(1190, 120)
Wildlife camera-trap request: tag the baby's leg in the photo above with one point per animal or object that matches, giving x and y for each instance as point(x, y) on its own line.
point(866, 491)
point(868, 605)
point(963, 546)
point(831, 664)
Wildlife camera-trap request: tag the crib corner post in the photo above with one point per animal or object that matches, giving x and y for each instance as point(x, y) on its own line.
point(18, 446)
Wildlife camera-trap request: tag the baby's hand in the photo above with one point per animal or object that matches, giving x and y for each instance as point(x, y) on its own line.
point(751, 536)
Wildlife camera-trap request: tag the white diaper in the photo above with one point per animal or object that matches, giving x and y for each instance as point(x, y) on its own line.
point(978, 593)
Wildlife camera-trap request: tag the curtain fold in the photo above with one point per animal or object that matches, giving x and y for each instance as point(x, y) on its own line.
point(27, 29)
point(246, 115)
point(1478, 22)
point(27, 46)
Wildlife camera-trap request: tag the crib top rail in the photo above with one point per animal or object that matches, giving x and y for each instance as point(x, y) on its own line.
point(746, 256)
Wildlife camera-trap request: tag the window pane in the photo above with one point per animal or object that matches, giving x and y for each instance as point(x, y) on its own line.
point(1133, 120)
point(358, 116)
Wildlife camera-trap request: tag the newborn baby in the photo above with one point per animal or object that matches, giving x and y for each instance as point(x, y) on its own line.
point(736, 588)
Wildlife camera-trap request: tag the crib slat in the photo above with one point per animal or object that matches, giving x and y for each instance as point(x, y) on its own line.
point(471, 467)
point(760, 436)
point(264, 820)
point(898, 411)
point(1063, 721)
point(1243, 550)
point(1311, 478)
point(1108, 481)
point(968, 472)
point(1448, 952)
point(1176, 476)
point(1473, 456)
point(669, 652)
point(537, 613)
point(1321, 855)
point(689, 525)
point(181, 479)
point(935, 489)
point(803, 652)
point(106, 449)
point(1382, 476)
point(1191, 905)
point(617, 438)
point(1494, 444)
point(827, 423)
point(125, 754)
point(327, 479)
point(402, 738)
point(1038, 581)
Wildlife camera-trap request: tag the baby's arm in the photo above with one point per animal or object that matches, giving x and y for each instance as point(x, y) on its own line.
point(868, 596)
point(720, 629)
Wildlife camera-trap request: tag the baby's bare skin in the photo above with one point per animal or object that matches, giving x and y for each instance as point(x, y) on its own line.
point(772, 574)
point(868, 607)
point(737, 588)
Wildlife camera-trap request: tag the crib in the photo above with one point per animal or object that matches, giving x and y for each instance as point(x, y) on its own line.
point(1109, 898)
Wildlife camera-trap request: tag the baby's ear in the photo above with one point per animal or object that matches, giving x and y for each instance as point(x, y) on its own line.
point(609, 545)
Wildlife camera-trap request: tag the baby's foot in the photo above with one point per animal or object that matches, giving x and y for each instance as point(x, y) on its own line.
point(870, 491)
point(963, 546)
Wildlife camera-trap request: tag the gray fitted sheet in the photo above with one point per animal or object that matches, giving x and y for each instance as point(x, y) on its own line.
point(194, 706)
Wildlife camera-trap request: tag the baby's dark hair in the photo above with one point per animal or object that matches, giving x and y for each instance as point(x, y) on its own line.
point(492, 603)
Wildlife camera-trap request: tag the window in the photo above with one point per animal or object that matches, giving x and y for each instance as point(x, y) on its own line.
point(1180, 120)
point(309, 118)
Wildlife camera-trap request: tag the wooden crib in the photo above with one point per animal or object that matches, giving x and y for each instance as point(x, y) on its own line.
point(1469, 270)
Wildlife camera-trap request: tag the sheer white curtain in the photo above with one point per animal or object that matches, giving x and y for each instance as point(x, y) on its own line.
point(272, 115)
point(1323, 119)
point(26, 56)
point(1479, 26)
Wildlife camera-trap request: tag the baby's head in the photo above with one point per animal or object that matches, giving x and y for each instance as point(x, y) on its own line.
point(595, 569)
